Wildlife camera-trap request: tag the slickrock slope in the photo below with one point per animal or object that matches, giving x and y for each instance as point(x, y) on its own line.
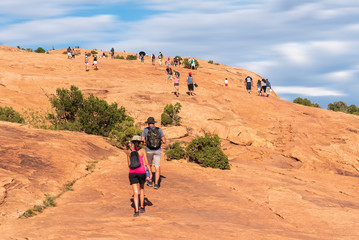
point(294, 169)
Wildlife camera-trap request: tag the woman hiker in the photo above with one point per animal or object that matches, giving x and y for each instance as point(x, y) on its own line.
point(138, 176)
point(190, 84)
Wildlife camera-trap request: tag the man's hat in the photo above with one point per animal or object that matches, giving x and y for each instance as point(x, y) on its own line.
point(150, 120)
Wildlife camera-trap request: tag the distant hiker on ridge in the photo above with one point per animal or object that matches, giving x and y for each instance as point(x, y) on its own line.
point(87, 64)
point(154, 137)
point(249, 84)
point(176, 83)
point(264, 87)
point(226, 82)
point(153, 59)
point(160, 56)
point(169, 74)
point(269, 87)
point(69, 53)
point(190, 84)
point(259, 87)
point(112, 53)
point(95, 62)
point(137, 160)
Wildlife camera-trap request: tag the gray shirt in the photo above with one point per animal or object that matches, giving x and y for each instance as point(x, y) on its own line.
point(145, 132)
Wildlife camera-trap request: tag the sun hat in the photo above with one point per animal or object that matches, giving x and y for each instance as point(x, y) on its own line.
point(150, 120)
point(136, 138)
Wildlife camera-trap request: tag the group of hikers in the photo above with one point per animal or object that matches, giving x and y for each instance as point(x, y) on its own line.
point(176, 81)
point(263, 86)
point(140, 162)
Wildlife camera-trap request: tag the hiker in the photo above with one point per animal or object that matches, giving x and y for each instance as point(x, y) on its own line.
point(176, 83)
point(190, 84)
point(87, 64)
point(69, 53)
point(137, 176)
point(169, 74)
point(153, 59)
point(73, 53)
point(112, 53)
point(248, 81)
point(226, 82)
point(160, 56)
point(103, 55)
point(269, 87)
point(264, 87)
point(95, 62)
point(259, 87)
point(193, 64)
point(154, 137)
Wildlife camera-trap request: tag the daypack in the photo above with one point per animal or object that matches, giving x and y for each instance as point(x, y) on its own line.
point(134, 160)
point(170, 71)
point(153, 140)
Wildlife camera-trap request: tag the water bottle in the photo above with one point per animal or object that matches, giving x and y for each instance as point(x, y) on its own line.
point(147, 175)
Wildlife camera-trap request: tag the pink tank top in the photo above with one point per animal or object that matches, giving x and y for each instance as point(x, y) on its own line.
point(140, 169)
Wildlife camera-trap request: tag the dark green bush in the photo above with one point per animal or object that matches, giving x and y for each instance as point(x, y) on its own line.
point(131, 57)
point(10, 115)
point(119, 57)
point(341, 106)
point(40, 50)
point(29, 49)
point(18, 47)
point(64, 52)
point(207, 152)
point(305, 102)
point(176, 151)
point(170, 114)
point(179, 57)
point(91, 115)
point(210, 61)
point(94, 52)
point(88, 54)
point(123, 132)
point(187, 64)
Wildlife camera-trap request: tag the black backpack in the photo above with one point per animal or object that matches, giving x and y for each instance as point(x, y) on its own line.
point(153, 140)
point(134, 160)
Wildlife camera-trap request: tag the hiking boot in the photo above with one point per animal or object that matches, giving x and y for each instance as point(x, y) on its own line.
point(142, 210)
point(156, 186)
point(149, 184)
point(136, 214)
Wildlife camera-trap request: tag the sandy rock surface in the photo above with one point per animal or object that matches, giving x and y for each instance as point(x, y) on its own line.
point(294, 171)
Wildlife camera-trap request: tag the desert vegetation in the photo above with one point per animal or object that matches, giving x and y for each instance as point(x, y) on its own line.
point(341, 106)
point(176, 151)
point(131, 57)
point(10, 115)
point(306, 102)
point(170, 115)
point(186, 64)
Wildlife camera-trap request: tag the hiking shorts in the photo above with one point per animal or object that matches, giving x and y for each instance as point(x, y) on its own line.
point(154, 157)
point(137, 178)
point(190, 87)
point(249, 85)
point(169, 76)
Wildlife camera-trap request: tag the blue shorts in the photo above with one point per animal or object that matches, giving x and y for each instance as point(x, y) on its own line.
point(249, 85)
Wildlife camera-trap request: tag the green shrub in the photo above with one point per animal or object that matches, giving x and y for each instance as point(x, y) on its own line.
point(207, 152)
point(179, 57)
point(341, 106)
point(10, 115)
point(176, 151)
point(170, 114)
point(131, 57)
point(123, 132)
point(216, 64)
point(40, 50)
point(18, 47)
point(29, 49)
point(35, 119)
point(119, 57)
point(187, 64)
point(305, 102)
point(94, 52)
point(210, 61)
point(64, 52)
point(91, 115)
point(88, 54)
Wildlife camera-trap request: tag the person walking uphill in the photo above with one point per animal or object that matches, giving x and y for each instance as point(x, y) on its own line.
point(137, 160)
point(154, 137)
point(190, 84)
point(249, 84)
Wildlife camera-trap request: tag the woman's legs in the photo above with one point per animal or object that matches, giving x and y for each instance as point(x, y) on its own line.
point(135, 195)
point(142, 195)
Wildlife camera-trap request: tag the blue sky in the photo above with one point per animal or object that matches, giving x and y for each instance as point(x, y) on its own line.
point(307, 48)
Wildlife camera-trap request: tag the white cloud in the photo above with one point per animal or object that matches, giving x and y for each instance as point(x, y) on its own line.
point(307, 91)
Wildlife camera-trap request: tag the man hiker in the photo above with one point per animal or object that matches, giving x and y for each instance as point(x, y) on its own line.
point(249, 84)
point(154, 137)
point(153, 59)
point(160, 56)
point(69, 55)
